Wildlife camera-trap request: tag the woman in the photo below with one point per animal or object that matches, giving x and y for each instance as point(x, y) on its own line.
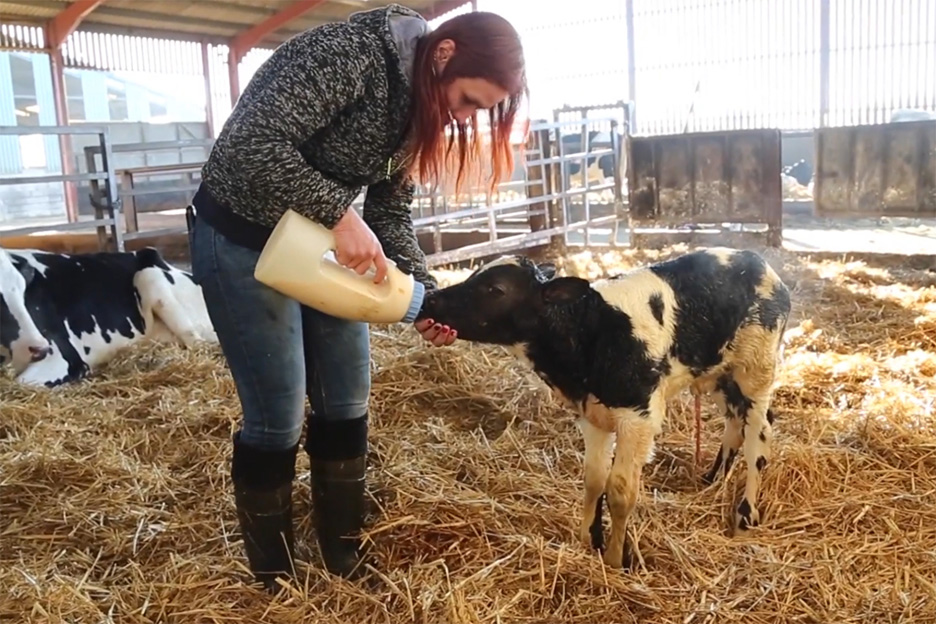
point(346, 106)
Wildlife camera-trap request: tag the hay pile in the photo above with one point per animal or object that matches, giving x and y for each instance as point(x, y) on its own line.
point(116, 503)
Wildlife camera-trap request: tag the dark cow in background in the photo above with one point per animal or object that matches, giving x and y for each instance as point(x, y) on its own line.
point(801, 171)
point(618, 349)
point(62, 316)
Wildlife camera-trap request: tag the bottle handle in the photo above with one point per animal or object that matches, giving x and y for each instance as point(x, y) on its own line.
point(331, 248)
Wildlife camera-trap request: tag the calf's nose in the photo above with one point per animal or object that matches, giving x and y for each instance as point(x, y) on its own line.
point(39, 353)
point(426, 310)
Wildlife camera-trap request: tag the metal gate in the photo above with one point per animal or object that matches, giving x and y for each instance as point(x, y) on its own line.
point(602, 141)
point(544, 202)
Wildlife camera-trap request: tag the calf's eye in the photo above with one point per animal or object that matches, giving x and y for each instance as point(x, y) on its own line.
point(496, 290)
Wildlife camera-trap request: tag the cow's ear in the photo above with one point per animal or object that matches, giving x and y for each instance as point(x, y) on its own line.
point(546, 270)
point(565, 290)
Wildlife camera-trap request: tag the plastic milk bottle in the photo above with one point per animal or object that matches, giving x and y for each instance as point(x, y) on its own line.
point(298, 260)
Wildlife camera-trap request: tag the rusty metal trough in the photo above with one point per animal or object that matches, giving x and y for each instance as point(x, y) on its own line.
point(884, 169)
point(706, 179)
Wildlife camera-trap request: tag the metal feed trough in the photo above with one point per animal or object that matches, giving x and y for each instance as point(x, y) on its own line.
point(685, 186)
point(876, 170)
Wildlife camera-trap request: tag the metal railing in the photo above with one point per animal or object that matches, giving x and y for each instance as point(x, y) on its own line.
point(129, 191)
point(555, 191)
point(106, 211)
point(554, 203)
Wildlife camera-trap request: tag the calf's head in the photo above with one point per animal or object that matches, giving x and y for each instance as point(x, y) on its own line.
point(505, 302)
point(21, 342)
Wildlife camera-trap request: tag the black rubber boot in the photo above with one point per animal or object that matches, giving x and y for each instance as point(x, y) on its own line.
point(263, 499)
point(338, 460)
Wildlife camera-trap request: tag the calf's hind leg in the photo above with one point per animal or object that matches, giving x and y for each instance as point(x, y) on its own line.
point(748, 424)
point(758, 435)
point(732, 435)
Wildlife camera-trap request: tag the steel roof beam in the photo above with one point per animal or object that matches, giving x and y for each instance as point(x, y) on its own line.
point(63, 24)
point(242, 43)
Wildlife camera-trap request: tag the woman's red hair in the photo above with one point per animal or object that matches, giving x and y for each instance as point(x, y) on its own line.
point(488, 47)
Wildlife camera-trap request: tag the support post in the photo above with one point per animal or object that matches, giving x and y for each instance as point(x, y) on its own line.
point(825, 46)
point(57, 31)
point(233, 78)
point(65, 140)
point(631, 60)
point(209, 101)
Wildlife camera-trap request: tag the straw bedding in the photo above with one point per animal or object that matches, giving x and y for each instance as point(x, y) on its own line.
point(116, 504)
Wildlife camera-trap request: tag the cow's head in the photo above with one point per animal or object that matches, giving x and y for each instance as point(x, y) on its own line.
point(21, 342)
point(503, 302)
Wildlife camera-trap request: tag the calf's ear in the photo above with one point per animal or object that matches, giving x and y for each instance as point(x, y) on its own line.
point(564, 290)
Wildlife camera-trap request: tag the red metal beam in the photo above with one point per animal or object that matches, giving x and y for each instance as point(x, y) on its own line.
point(57, 31)
point(233, 76)
point(242, 43)
point(66, 151)
point(63, 24)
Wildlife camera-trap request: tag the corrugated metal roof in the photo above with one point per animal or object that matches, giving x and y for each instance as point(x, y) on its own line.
point(213, 19)
point(28, 10)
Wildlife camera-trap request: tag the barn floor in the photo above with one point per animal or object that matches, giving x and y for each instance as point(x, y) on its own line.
point(116, 505)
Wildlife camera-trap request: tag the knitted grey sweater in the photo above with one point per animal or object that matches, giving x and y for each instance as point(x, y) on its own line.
point(323, 117)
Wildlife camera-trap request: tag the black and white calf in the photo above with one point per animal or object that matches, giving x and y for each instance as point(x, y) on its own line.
point(617, 349)
point(62, 316)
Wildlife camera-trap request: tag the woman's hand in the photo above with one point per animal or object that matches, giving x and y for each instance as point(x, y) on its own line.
point(357, 246)
point(438, 335)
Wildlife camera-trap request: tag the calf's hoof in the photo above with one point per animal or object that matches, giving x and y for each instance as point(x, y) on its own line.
point(746, 517)
point(621, 558)
point(592, 535)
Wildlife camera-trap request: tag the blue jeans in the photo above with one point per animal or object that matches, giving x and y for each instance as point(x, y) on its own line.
point(279, 351)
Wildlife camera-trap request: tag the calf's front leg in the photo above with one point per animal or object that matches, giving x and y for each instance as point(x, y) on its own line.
point(634, 435)
point(598, 448)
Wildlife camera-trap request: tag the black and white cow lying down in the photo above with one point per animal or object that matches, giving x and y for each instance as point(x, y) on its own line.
point(63, 316)
point(617, 349)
